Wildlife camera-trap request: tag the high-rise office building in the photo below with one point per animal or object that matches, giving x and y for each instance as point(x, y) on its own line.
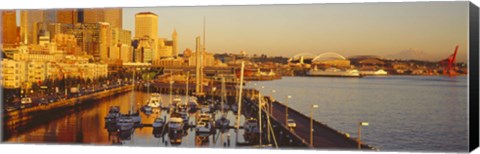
point(146, 24)
point(9, 28)
point(113, 16)
point(67, 16)
point(49, 16)
point(34, 24)
point(24, 30)
point(36, 27)
point(92, 15)
point(105, 40)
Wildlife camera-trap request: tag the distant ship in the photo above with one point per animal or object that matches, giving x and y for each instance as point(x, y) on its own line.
point(379, 72)
point(334, 72)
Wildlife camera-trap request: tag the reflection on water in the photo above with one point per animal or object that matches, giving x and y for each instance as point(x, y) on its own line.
point(404, 112)
point(87, 126)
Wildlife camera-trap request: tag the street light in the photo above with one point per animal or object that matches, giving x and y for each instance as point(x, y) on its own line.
point(271, 101)
point(311, 124)
point(253, 91)
point(360, 124)
point(286, 109)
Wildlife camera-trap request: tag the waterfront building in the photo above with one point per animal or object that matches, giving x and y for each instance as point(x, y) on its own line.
point(12, 73)
point(170, 62)
point(93, 71)
point(9, 29)
point(36, 71)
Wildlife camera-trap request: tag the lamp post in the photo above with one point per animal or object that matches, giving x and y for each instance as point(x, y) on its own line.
point(286, 108)
point(360, 124)
point(311, 124)
point(253, 91)
point(266, 111)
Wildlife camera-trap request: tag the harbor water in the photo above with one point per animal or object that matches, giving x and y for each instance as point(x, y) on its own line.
point(405, 113)
point(86, 125)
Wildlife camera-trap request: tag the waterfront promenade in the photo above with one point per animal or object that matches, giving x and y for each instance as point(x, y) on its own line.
point(324, 137)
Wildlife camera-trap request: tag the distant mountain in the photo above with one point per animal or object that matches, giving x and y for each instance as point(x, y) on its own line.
point(411, 54)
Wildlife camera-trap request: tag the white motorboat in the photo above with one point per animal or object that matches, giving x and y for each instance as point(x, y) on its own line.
point(203, 127)
point(155, 100)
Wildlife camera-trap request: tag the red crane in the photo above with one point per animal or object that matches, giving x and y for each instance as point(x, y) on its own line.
point(449, 63)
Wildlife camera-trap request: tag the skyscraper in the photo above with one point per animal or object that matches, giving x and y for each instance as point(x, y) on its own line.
point(34, 24)
point(9, 28)
point(67, 16)
point(93, 16)
point(113, 16)
point(24, 30)
point(49, 16)
point(105, 40)
point(146, 24)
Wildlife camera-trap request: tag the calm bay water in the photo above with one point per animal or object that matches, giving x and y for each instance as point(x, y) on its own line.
point(87, 126)
point(406, 113)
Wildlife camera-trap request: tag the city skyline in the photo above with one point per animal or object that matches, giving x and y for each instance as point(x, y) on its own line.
point(430, 29)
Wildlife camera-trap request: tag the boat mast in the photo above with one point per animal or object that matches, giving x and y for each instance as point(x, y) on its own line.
point(171, 84)
point(133, 91)
point(223, 93)
point(186, 87)
point(260, 117)
point(240, 97)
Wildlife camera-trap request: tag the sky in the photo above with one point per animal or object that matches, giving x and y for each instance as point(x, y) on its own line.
point(434, 28)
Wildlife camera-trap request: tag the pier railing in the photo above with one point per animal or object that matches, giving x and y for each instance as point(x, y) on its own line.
point(341, 138)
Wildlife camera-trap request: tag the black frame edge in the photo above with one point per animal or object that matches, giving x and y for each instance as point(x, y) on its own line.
point(473, 77)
